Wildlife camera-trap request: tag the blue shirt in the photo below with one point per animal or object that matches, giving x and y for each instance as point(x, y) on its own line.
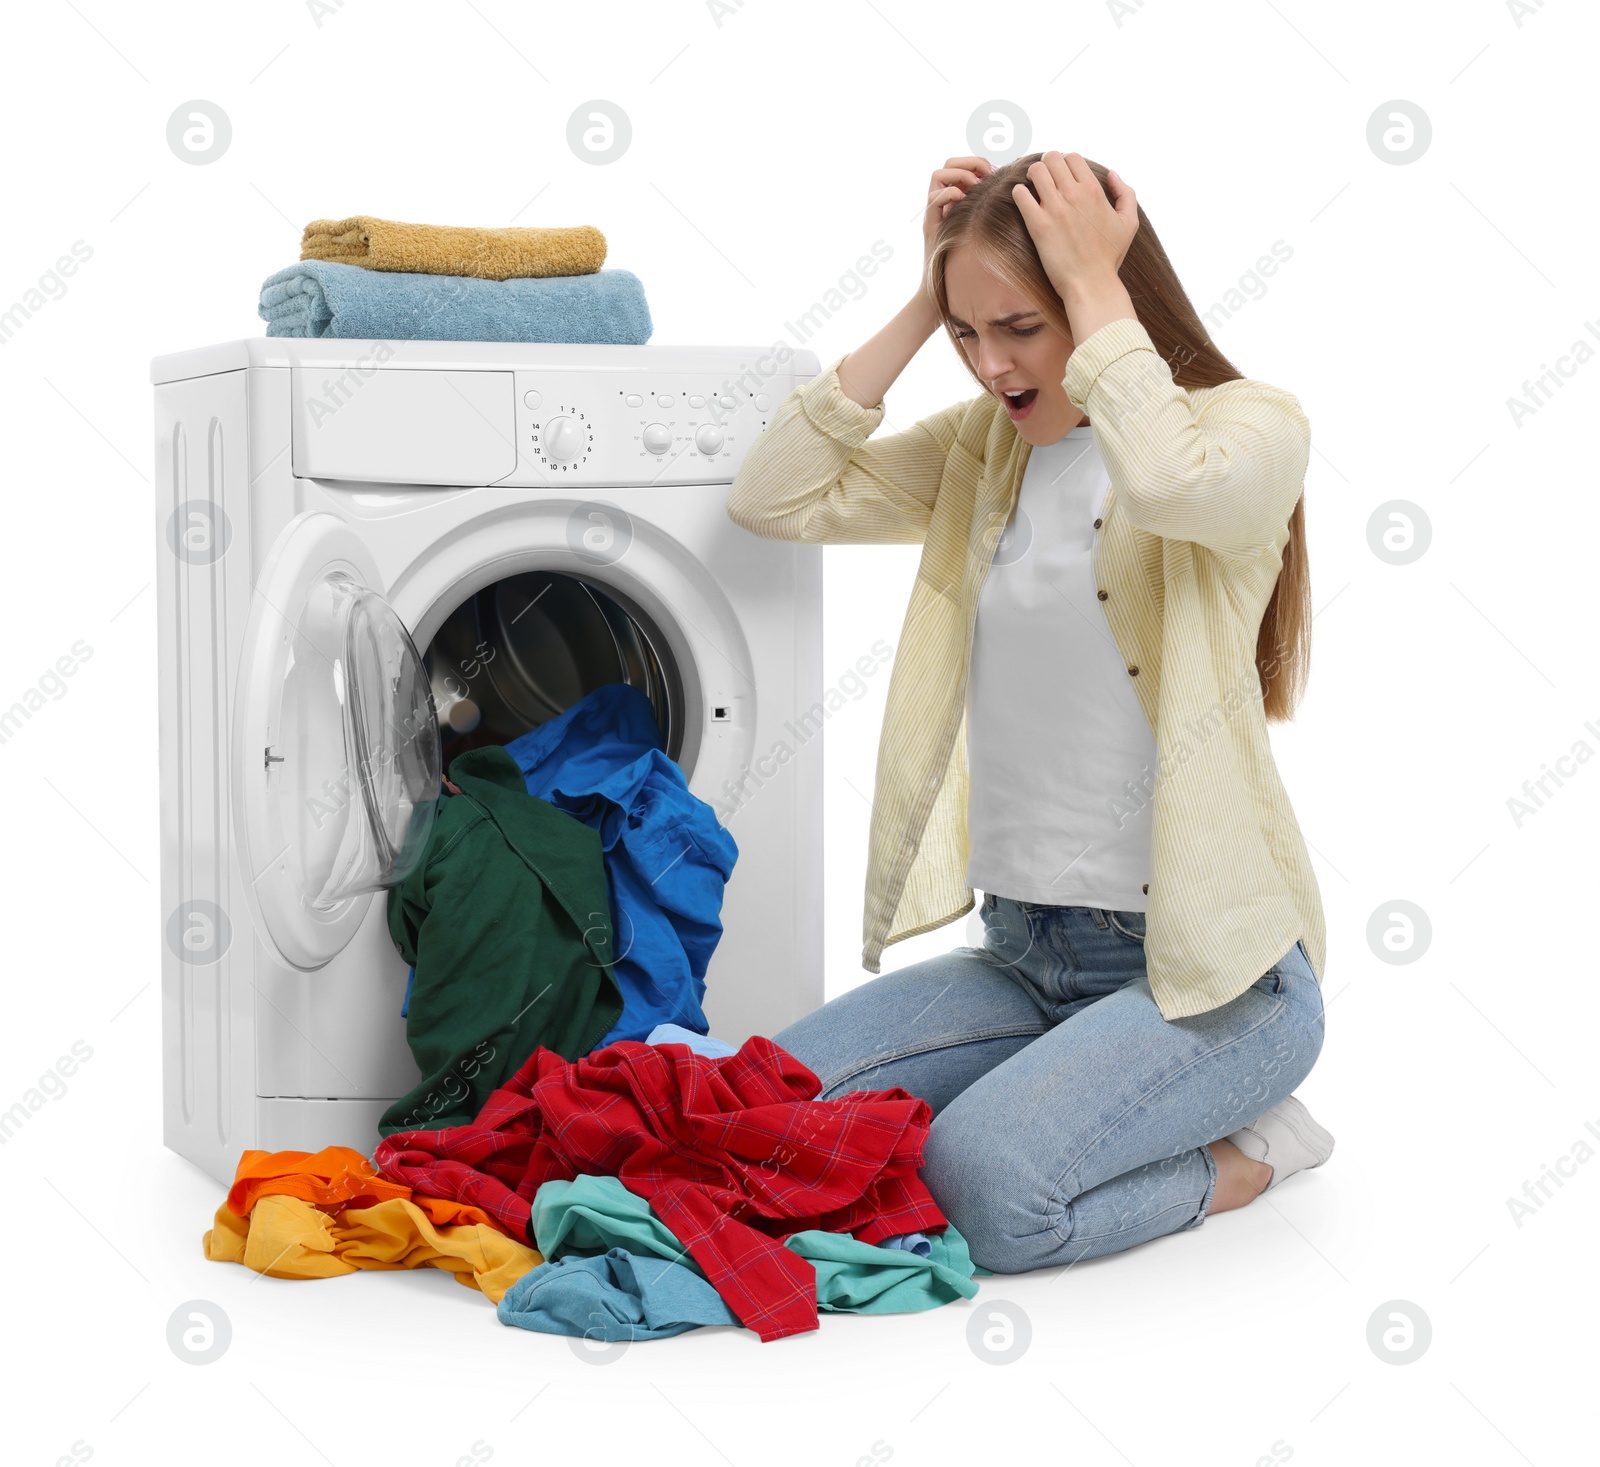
point(667, 856)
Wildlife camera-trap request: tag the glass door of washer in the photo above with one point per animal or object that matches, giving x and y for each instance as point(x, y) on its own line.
point(336, 743)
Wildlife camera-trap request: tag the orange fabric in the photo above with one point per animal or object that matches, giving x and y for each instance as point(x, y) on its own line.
point(333, 1179)
point(444, 1213)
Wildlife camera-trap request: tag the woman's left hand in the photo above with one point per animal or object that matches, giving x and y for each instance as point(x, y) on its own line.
point(1081, 238)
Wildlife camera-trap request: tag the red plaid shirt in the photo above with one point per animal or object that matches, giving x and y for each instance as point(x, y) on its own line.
point(732, 1154)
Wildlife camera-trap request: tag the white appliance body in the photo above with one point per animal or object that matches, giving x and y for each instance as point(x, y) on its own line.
point(422, 473)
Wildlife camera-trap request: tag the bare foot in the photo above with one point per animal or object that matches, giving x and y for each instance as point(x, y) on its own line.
point(1240, 1178)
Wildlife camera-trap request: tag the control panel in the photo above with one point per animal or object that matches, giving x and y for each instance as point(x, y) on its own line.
point(652, 428)
point(463, 414)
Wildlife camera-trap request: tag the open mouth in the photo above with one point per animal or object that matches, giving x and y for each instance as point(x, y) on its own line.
point(1019, 404)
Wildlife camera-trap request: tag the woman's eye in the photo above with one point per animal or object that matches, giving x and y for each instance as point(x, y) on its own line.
point(1016, 330)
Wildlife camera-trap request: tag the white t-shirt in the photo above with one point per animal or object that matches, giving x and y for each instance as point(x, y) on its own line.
point(1061, 756)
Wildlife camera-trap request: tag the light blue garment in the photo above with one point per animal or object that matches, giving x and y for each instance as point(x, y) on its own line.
point(591, 1213)
point(612, 1296)
point(667, 856)
point(1070, 1119)
point(704, 1044)
point(910, 1243)
point(328, 298)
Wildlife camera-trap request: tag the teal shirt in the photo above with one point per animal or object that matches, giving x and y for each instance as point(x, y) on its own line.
point(591, 1214)
point(508, 922)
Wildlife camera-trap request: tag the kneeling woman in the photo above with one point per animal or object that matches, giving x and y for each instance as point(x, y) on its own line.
point(1112, 600)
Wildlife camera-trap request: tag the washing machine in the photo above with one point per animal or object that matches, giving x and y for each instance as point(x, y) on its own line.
point(375, 555)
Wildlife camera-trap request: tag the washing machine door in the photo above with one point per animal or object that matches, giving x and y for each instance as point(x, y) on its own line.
point(336, 743)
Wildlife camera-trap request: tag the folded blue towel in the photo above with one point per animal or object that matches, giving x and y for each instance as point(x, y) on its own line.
point(325, 298)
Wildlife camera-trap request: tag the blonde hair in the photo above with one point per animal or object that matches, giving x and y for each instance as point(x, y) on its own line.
point(987, 219)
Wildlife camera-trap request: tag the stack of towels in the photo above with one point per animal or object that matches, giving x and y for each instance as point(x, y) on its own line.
point(377, 279)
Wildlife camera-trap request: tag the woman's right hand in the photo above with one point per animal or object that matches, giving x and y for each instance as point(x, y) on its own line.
point(867, 373)
point(947, 186)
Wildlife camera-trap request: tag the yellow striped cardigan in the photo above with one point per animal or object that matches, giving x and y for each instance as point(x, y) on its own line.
point(1188, 548)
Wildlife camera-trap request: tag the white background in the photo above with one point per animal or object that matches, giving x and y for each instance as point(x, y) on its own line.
point(769, 152)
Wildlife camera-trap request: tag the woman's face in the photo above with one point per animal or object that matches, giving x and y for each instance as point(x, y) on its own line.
point(1012, 347)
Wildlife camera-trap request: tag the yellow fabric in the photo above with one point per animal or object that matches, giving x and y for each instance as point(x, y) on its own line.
point(446, 249)
point(290, 1239)
point(1203, 482)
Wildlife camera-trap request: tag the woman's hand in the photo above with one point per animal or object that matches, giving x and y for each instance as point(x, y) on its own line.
point(867, 373)
point(1082, 240)
point(948, 186)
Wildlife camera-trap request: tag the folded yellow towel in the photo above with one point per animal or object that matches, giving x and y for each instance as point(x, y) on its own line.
point(444, 249)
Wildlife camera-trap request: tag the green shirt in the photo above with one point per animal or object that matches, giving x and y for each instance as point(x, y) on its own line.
point(508, 921)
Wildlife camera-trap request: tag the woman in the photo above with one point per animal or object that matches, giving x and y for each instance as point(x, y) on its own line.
point(1112, 600)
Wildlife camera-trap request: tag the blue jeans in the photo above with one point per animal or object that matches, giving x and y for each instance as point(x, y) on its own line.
point(1070, 1118)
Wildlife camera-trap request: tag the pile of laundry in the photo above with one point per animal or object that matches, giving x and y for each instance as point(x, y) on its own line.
point(379, 279)
point(632, 1194)
point(579, 1147)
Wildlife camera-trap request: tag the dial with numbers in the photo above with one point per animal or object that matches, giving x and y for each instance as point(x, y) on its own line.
point(563, 441)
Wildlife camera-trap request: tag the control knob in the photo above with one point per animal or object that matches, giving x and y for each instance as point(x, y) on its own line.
point(563, 438)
